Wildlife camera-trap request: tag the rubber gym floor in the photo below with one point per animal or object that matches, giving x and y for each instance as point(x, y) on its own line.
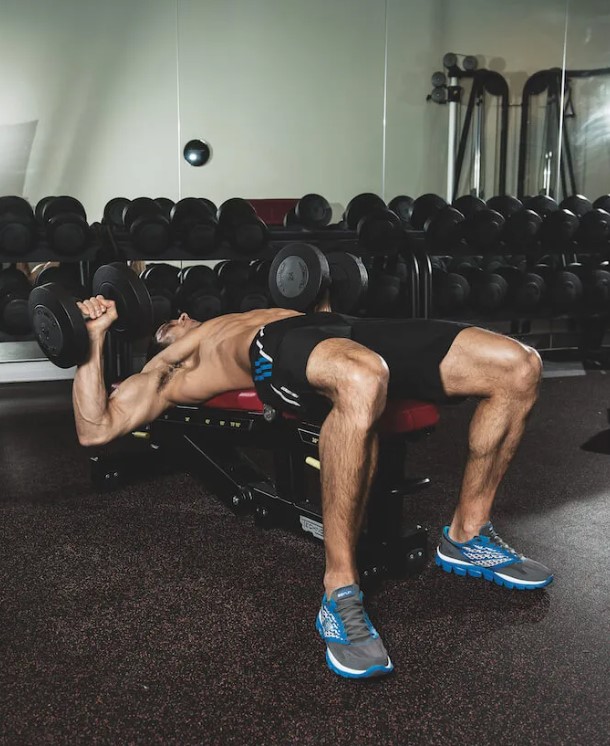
point(152, 615)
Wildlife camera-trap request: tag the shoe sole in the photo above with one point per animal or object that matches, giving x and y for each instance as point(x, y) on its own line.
point(351, 673)
point(463, 570)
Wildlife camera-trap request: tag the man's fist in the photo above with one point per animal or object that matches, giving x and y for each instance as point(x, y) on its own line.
point(100, 314)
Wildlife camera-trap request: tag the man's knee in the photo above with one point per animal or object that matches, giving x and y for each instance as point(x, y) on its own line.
point(364, 384)
point(523, 370)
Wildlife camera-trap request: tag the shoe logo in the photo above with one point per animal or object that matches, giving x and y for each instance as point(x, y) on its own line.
point(345, 593)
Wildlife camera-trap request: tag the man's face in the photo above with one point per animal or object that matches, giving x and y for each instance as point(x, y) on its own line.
point(175, 329)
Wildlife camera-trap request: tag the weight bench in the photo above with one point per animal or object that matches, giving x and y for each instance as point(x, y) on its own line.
point(208, 440)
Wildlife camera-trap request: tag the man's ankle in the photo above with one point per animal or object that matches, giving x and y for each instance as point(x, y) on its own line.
point(332, 582)
point(462, 531)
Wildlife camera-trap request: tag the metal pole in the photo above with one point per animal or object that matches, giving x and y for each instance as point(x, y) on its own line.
point(451, 142)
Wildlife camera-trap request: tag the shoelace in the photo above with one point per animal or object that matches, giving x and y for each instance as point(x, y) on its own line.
point(500, 541)
point(354, 622)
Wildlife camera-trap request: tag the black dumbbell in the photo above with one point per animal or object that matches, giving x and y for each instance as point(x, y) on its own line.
point(531, 291)
point(559, 225)
point(162, 281)
point(65, 223)
point(505, 204)
point(521, 231)
point(603, 202)
point(148, 227)
point(597, 287)
point(17, 227)
point(450, 290)
point(379, 229)
point(595, 281)
point(497, 286)
point(167, 206)
point(312, 212)
point(200, 293)
point(14, 292)
point(240, 227)
point(578, 204)
point(482, 226)
point(40, 205)
point(194, 226)
point(567, 287)
point(387, 278)
point(402, 205)
point(424, 208)
point(594, 229)
point(541, 204)
point(242, 286)
point(113, 213)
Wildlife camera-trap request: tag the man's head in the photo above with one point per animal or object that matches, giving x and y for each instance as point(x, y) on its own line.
point(171, 332)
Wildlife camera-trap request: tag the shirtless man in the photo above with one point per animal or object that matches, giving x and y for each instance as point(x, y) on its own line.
point(294, 359)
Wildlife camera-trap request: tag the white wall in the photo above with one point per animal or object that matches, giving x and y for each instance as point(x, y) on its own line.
point(288, 93)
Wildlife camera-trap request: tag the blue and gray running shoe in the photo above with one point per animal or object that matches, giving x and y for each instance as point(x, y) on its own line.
point(488, 556)
point(353, 646)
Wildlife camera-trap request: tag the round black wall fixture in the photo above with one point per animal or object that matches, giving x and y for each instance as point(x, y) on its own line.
point(197, 152)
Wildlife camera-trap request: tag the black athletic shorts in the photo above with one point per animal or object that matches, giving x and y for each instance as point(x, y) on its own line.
point(412, 348)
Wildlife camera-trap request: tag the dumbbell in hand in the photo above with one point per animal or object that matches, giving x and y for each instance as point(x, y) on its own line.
point(57, 318)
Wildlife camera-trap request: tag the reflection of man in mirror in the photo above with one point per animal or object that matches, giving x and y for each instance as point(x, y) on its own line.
point(293, 359)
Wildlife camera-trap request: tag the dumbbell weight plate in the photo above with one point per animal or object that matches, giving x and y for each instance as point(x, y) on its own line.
point(62, 206)
point(403, 207)
point(58, 325)
point(424, 208)
point(17, 226)
point(361, 206)
point(162, 275)
point(578, 204)
point(313, 211)
point(299, 274)
point(40, 205)
point(200, 293)
point(166, 205)
point(348, 281)
point(468, 204)
point(134, 307)
point(505, 205)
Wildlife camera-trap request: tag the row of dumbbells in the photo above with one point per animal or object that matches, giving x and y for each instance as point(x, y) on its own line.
point(505, 223)
point(60, 221)
point(198, 227)
point(15, 288)
point(495, 284)
point(235, 286)
point(232, 286)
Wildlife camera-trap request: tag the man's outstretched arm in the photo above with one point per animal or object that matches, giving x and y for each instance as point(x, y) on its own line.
point(99, 418)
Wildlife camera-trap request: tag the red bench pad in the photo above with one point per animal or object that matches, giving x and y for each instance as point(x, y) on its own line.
point(400, 416)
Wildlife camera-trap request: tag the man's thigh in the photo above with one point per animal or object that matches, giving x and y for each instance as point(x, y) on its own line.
point(413, 350)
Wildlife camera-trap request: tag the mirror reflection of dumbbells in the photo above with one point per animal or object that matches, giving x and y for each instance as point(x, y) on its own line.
point(14, 292)
point(162, 281)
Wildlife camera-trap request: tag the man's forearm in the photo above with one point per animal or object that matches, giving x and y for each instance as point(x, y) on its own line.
point(90, 399)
